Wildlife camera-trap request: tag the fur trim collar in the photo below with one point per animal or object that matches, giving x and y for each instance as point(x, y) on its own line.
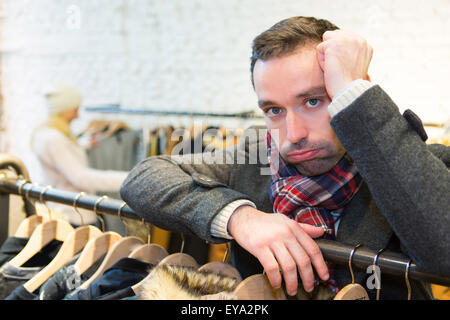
point(168, 282)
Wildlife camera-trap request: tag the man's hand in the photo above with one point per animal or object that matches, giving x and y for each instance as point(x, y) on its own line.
point(343, 57)
point(280, 244)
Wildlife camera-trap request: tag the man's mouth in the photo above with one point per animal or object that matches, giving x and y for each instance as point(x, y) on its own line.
point(301, 155)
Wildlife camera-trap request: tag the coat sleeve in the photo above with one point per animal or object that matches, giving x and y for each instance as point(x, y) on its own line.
point(182, 193)
point(410, 184)
point(77, 172)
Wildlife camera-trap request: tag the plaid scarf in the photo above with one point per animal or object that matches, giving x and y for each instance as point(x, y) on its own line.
point(317, 200)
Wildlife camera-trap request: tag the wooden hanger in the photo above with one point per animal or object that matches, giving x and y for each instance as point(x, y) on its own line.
point(222, 268)
point(257, 287)
point(120, 249)
point(178, 259)
point(353, 291)
point(150, 253)
point(43, 234)
point(94, 249)
point(27, 226)
point(96, 246)
point(74, 243)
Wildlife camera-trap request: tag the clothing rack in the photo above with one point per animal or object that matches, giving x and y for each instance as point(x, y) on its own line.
point(338, 253)
point(117, 109)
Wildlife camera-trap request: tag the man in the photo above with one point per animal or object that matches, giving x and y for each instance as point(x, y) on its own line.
point(345, 165)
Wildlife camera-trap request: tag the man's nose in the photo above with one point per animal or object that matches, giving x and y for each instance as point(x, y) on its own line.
point(295, 127)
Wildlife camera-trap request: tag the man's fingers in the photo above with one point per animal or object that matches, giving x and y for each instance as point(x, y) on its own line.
point(312, 249)
point(303, 262)
point(312, 231)
point(321, 54)
point(288, 266)
point(271, 267)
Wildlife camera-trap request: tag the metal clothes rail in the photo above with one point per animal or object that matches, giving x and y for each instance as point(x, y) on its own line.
point(117, 109)
point(391, 263)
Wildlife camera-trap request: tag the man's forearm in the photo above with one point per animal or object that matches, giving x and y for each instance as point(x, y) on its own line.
point(177, 198)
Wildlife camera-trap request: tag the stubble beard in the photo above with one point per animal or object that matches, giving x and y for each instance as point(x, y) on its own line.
point(320, 165)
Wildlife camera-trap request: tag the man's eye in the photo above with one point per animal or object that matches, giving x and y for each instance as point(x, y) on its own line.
point(313, 103)
point(274, 111)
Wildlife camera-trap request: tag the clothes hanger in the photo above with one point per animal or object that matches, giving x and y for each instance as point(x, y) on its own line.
point(120, 249)
point(178, 259)
point(408, 285)
point(150, 252)
point(95, 248)
point(257, 287)
point(377, 276)
point(353, 291)
point(74, 242)
point(222, 268)
point(76, 208)
point(54, 229)
point(102, 221)
point(27, 225)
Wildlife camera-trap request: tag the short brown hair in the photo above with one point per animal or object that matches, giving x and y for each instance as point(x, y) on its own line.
point(287, 36)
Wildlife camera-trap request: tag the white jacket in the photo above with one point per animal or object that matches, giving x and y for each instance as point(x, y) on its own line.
point(65, 166)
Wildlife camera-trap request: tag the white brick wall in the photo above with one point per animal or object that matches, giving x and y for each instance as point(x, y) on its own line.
point(194, 54)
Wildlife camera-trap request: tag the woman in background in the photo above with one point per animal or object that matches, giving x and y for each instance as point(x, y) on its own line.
point(64, 162)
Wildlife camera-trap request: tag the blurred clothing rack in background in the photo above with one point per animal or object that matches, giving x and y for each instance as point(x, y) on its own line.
point(117, 109)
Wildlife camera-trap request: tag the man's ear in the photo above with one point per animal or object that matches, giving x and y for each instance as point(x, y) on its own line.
point(368, 77)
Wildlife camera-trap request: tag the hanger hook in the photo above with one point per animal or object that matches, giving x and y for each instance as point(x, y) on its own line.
point(377, 278)
point(21, 187)
point(148, 229)
point(41, 199)
point(350, 261)
point(119, 213)
point(81, 194)
point(95, 210)
point(27, 193)
point(408, 285)
point(225, 256)
point(182, 242)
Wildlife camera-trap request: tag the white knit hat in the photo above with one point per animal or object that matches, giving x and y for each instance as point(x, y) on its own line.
point(63, 98)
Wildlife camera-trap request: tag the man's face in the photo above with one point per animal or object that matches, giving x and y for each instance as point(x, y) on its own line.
point(291, 92)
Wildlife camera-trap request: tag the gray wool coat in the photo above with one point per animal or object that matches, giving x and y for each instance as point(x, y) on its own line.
point(403, 204)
